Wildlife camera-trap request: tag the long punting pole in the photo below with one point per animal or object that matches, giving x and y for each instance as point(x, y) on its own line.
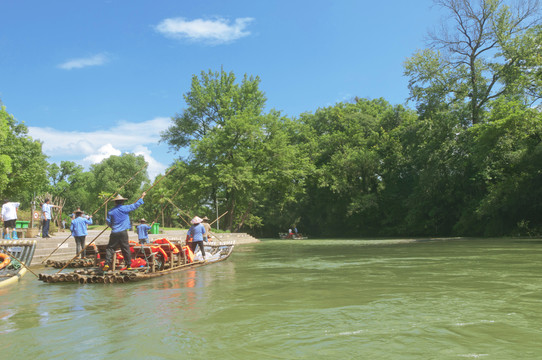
point(157, 181)
point(80, 252)
point(218, 218)
point(176, 207)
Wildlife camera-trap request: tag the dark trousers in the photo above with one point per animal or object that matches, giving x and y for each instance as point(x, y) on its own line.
point(193, 244)
point(118, 239)
point(45, 229)
point(80, 245)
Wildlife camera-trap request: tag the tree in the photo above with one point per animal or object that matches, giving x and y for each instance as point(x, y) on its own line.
point(213, 99)
point(507, 153)
point(238, 153)
point(115, 172)
point(66, 172)
point(349, 145)
point(22, 161)
point(486, 50)
point(70, 182)
point(5, 160)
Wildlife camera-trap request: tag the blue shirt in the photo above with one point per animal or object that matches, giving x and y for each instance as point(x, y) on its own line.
point(143, 231)
point(79, 226)
point(46, 208)
point(196, 232)
point(118, 218)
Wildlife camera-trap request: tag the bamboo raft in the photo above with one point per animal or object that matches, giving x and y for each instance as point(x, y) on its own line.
point(156, 266)
point(20, 253)
point(76, 263)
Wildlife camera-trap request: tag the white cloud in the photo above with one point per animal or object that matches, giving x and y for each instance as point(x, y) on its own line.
point(95, 60)
point(214, 31)
point(88, 148)
point(103, 153)
point(155, 167)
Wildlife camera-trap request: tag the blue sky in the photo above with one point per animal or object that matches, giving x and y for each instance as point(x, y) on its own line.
point(97, 78)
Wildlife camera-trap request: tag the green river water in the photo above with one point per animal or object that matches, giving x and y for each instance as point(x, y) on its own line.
point(292, 299)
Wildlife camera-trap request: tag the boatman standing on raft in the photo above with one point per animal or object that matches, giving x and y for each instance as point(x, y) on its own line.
point(79, 232)
point(207, 226)
point(194, 236)
point(143, 231)
point(119, 220)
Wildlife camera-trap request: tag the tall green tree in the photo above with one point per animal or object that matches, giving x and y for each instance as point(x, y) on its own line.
point(213, 99)
point(486, 50)
point(507, 153)
point(22, 161)
point(349, 149)
point(5, 160)
point(115, 172)
point(70, 182)
point(239, 155)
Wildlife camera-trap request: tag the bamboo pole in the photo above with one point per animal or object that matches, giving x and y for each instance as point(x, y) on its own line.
point(176, 207)
point(218, 218)
point(80, 252)
point(157, 181)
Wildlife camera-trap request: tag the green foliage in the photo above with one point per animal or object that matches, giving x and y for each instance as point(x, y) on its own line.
point(22, 162)
point(508, 155)
point(363, 168)
point(115, 172)
point(238, 154)
point(5, 160)
point(346, 145)
point(214, 98)
point(489, 50)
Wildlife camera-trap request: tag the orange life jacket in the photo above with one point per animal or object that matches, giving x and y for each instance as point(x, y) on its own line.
point(172, 247)
point(189, 254)
point(158, 249)
point(138, 262)
point(6, 259)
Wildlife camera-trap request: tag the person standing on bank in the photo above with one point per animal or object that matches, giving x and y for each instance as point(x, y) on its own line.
point(9, 217)
point(196, 233)
point(207, 226)
point(79, 231)
point(46, 209)
point(119, 220)
point(143, 231)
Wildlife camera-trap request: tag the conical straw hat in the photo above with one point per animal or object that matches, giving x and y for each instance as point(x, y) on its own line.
point(196, 220)
point(119, 198)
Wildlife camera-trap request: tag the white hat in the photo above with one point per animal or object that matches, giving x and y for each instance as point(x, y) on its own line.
point(196, 220)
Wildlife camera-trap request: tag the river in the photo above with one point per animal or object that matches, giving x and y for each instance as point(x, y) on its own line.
point(297, 299)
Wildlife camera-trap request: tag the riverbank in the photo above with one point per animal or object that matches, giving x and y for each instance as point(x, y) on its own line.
point(67, 250)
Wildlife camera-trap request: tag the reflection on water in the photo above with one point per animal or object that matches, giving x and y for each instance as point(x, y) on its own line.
point(315, 299)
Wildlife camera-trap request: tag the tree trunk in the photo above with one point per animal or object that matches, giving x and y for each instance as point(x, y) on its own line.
point(243, 218)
